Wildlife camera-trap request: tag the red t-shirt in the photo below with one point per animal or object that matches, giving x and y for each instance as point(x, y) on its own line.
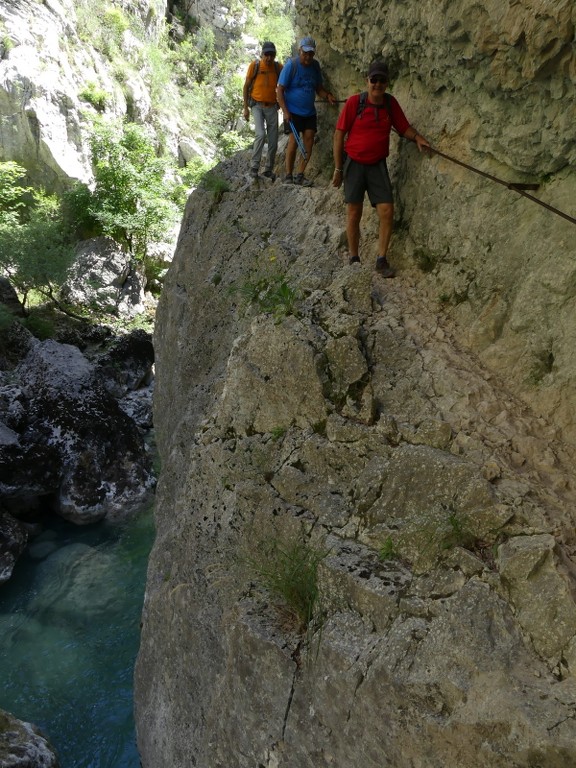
point(368, 139)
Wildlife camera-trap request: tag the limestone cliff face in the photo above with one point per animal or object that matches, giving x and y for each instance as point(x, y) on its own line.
point(418, 432)
point(47, 61)
point(355, 425)
point(494, 85)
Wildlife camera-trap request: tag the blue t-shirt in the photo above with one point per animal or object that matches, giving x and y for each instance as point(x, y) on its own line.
point(300, 86)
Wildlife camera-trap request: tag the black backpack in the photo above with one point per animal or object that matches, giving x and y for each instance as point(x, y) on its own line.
point(362, 106)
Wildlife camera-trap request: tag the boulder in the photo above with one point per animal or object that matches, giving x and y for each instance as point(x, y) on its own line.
point(127, 365)
point(23, 746)
point(13, 540)
point(104, 278)
point(15, 343)
point(70, 442)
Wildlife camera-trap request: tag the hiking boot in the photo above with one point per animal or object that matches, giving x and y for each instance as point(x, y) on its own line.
point(288, 179)
point(269, 175)
point(383, 268)
point(354, 260)
point(254, 173)
point(302, 181)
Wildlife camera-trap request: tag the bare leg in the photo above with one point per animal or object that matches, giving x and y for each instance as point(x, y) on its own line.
point(353, 216)
point(290, 154)
point(308, 139)
point(386, 215)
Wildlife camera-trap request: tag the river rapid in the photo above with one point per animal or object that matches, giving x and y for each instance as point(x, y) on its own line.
point(69, 635)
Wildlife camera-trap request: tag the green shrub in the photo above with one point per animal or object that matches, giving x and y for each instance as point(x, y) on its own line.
point(388, 550)
point(115, 21)
point(40, 327)
point(232, 142)
point(95, 96)
point(457, 532)
point(159, 73)
point(6, 45)
point(11, 190)
point(194, 172)
point(216, 184)
point(76, 212)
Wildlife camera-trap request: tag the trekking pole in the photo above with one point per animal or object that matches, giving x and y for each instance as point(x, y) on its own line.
point(298, 141)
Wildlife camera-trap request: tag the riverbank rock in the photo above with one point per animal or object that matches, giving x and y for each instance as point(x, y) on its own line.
point(23, 746)
point(72, 446)
point(13, 541)
point(104, 278)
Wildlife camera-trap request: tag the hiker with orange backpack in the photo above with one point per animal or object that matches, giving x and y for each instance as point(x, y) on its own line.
point(259, 94)
point(366, 122)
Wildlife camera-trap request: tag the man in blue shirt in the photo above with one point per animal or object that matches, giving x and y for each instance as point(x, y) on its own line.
point(298, 84)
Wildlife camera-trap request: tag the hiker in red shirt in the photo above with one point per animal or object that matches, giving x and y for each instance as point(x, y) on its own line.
point(259, 94)
point(366, 122)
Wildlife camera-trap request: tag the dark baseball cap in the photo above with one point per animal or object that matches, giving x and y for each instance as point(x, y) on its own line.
point(379, 68)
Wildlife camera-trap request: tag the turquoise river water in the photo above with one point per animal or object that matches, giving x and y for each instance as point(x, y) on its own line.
point(69, 635)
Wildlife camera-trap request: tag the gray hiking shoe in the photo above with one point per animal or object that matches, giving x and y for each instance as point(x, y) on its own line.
point(254, 173)
point(269, 175)
point(354, 260)
point(302, 181)
point(383, 268)
point(288, 179)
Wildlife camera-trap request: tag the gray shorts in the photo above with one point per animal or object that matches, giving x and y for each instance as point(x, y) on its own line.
point(374, 179)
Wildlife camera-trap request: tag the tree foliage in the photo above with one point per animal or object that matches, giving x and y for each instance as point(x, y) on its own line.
point(35, 252)
point(134, 197)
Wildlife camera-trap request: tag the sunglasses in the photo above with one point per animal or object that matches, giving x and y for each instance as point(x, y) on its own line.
point(269, 53)
point(378, 79)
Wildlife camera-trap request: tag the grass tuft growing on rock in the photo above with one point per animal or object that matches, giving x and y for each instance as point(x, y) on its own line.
point(287, 568)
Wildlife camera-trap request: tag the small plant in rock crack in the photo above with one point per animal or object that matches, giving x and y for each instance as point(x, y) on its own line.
point(388, 550)
point(288, 570)
point(216, 184)
point(270, 293)
point(278, 432)
point(457, 533)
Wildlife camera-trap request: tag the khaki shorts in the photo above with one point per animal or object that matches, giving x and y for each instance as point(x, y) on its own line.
point(374, 179)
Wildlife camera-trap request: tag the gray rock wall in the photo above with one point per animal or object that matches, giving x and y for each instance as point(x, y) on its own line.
point(417, 432)
point(494, 85)
point(46, 61)
point(356, 425)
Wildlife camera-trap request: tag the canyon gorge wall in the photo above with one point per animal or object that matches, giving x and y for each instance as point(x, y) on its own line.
point(414, 435)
